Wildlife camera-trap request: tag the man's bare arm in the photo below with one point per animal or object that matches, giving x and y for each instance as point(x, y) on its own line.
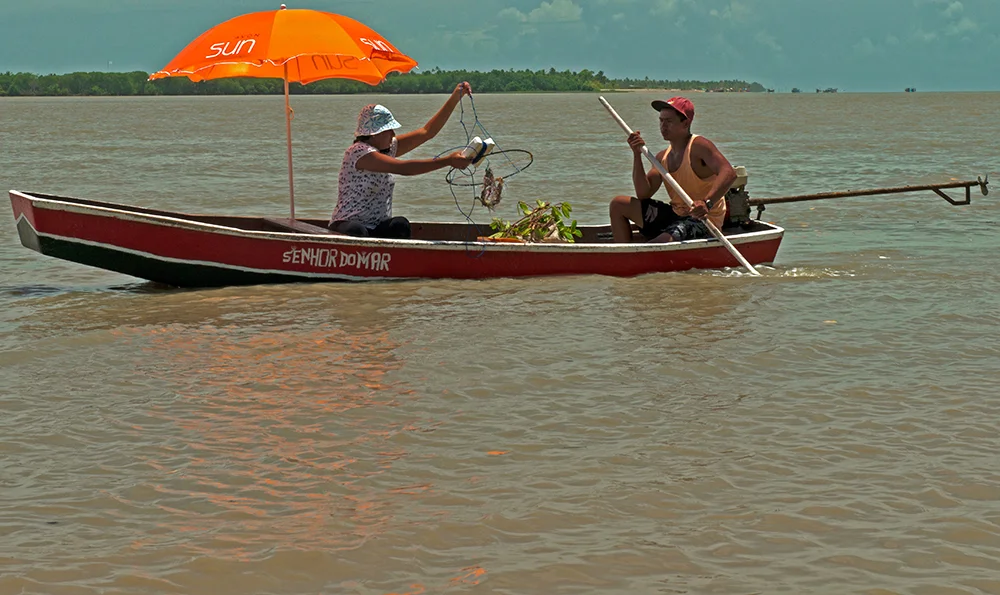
point(646, 183)
point(707, 152)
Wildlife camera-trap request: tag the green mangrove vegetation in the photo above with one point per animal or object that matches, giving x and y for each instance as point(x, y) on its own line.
point(24, 84)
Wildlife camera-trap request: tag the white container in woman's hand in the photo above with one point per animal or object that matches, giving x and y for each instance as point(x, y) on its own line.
point(478, 148)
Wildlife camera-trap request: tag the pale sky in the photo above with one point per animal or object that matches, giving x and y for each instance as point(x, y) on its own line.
point(855, 45)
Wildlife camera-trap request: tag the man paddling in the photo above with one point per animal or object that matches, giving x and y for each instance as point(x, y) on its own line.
point(698, 167)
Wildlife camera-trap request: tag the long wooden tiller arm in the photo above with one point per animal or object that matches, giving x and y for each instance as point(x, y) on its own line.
point(983, 184)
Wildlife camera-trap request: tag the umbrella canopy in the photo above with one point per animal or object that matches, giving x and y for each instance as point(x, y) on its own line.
point(314, 45)
point(299, 46)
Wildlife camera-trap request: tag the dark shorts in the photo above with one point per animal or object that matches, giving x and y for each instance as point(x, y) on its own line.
point(396, 228)
point(665, 220)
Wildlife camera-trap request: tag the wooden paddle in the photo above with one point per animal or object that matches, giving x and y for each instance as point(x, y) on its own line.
point(680, 191)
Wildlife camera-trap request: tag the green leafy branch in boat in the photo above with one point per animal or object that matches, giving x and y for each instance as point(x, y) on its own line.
point(544, 223)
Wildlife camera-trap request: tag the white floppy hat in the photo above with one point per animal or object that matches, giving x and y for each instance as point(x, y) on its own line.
point(375, 118)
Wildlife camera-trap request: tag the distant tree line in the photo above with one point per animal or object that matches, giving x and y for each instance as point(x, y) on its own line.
point(25, 84)
point(718, 86)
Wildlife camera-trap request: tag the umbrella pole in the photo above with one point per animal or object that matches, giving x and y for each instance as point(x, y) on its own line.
point(288, 127)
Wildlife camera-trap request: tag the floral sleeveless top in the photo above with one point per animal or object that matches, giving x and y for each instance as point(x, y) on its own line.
point(364, 196)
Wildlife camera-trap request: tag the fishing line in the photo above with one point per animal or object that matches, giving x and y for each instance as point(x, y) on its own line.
point(512, 161)
point(494, 169)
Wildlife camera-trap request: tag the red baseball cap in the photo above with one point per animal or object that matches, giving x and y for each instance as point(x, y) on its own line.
point(679, 104)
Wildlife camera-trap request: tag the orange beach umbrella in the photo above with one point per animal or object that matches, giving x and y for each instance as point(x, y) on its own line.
point(298, 46)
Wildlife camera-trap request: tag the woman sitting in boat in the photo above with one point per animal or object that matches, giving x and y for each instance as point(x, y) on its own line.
point(364, 199)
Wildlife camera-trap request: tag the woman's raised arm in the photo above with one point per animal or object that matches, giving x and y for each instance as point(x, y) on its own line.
point(412, 140)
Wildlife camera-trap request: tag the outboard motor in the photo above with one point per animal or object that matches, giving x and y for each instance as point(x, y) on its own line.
point(738, 200)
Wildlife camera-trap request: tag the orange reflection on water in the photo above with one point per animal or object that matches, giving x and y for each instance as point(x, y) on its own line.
point(279, 444)
point(471, 576)
point(413, 490)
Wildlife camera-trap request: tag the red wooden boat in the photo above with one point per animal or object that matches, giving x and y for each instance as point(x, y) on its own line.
point(216, 250)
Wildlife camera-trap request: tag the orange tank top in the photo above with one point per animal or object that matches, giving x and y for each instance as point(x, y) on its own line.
point(697, 188)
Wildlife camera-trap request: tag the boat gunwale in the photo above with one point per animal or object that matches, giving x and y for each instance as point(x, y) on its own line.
point(308, 275)
point(68, 204)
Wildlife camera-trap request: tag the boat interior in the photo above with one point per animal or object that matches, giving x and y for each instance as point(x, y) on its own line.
point(460, 232)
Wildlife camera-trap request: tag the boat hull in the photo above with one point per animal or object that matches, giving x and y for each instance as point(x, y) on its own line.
point(204, 251)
